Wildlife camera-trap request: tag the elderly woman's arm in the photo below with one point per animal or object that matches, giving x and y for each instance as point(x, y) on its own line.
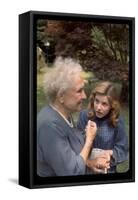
point(91, 129)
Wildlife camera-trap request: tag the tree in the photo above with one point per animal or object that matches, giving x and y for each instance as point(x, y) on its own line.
point(112, 43)
point(102, 48)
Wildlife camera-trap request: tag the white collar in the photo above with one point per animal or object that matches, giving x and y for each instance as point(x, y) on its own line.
point(69, 123)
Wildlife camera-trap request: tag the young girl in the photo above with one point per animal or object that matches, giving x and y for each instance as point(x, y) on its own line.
point(104, 109)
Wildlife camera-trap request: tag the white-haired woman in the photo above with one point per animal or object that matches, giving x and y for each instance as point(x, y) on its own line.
point(61, 149)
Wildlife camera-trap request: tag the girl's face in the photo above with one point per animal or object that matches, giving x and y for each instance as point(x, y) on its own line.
point(101, 105)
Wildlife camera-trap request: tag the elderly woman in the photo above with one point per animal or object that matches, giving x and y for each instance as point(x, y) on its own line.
point(62, 149)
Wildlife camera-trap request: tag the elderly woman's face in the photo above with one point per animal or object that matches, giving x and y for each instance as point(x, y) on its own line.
point(74, 97)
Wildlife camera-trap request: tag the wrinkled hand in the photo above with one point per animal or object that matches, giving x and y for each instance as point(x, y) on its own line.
point(91, 129)
point(99, 164)
point(107, 154)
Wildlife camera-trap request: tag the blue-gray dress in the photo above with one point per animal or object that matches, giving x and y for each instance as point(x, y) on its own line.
point(108, 137)
point(58, 146)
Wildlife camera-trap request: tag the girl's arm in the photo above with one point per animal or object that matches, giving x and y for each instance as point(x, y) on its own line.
point(120, 149)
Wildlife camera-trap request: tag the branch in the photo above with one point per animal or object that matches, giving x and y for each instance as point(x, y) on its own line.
point(110, 44)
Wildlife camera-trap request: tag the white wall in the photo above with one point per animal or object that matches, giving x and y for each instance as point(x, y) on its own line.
point(9, 11)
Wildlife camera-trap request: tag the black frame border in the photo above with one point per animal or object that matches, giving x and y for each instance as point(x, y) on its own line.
point(27, 103)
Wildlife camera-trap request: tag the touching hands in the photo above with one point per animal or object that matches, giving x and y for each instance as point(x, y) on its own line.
point(107, 154)
point(100, 160)
point(99, 164)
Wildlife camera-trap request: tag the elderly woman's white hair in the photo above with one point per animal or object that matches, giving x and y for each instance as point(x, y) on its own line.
point(60, 77)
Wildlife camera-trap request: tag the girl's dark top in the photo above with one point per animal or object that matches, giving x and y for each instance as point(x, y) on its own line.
point(108, 137)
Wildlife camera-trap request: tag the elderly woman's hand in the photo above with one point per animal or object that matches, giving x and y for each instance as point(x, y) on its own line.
point(107, 154)
point(91, 129)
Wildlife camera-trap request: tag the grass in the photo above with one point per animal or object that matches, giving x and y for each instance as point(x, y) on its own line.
point(41, 97)
point(41, 102)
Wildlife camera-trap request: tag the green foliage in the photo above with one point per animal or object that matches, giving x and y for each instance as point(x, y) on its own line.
point(41, 23)
point(41, 65)
point(98, 38)
point(123, 167)
point(41, 99)
point(113, 39)
point(41, 26)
